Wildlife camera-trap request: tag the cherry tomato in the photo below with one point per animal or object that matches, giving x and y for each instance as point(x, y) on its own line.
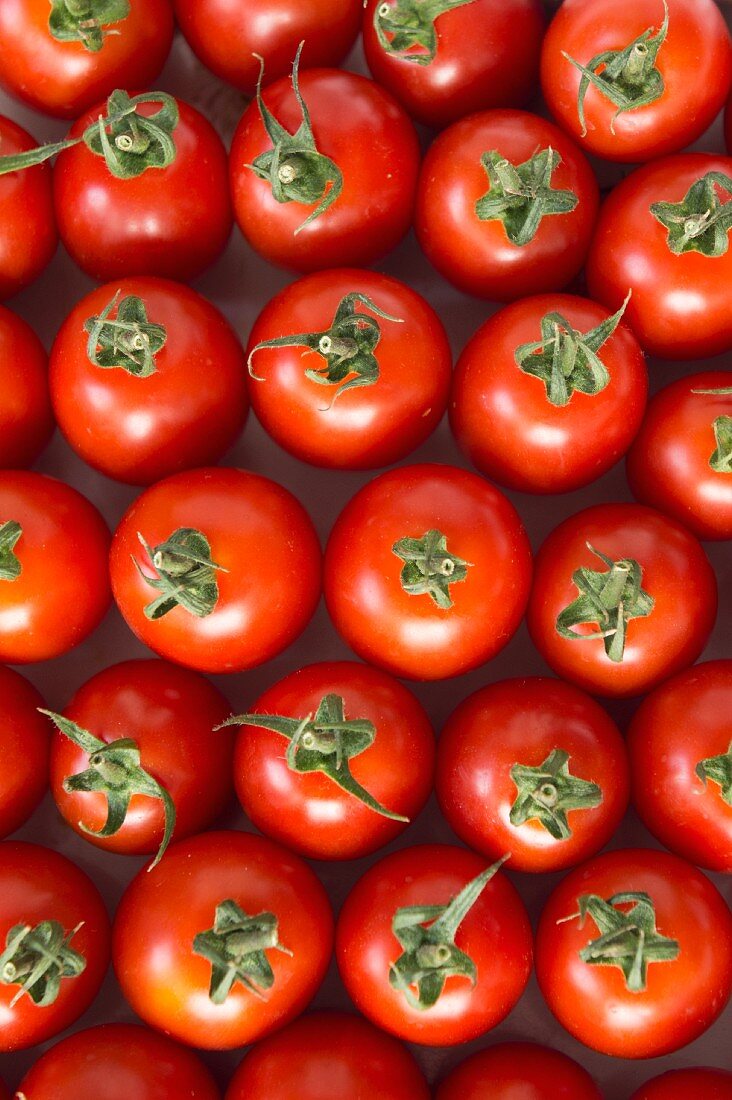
point(518, 1071)
point(623, 597)
point(506, 205)
point(427, 571)
point(548, 394)
point(26, 420)
point(54, 584)
point(24, 742)
point(49, 912)
point(28, 236)
point(681, 1084)
point(225, 940)
point(550, 785)
point(634, 953)
point(175, 396)
point(186, 588)
point(374, 381)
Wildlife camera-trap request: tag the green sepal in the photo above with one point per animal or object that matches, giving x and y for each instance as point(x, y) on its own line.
point(10, 564)
point(547, 792)
point(236, 947)
point(429, 568)
point(186, 574)
point(521, 195)
point(85, 20)
point(718, 769)
point(721, 457)
point(128, 340)
point(37, 959)
point(701, 221)
point(411, 23)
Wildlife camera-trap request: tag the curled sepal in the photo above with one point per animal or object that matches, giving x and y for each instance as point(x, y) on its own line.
point(186, 574)
point(701, 222)
point(721, 457)
point(429, 568)
point(718, 769)
point(628, 940)
point(628, 77)
point(116, 772)
point(546, 793)
point(325, 742)
point(236, 947)
point(37, 959)
point(85, 20)
point(10, 564)
point(406, 28)
point(609, 599)
point(427, 935)
point(520, 195)
point(128, 340)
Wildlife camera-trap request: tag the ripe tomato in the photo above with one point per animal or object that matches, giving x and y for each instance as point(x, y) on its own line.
point(427, 571)
point(681, 461)
point(52, 914)
point(506, 205)
point(550, 785)
point(662, 233)
point(518, 1071)
point(548, 394)
point(634, 953)
point(28, 236)
point(455, 56)
point(623, 597)
point(366, 385)
point(26, 420)
point(225, 940)
point(343, 762)
point(185, 587)
point(24, 742)
point(54, 584)
point(681, 1084)
point(176, 394)
point(635, 79)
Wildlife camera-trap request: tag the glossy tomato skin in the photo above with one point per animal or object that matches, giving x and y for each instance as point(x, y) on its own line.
point(62, 592)
point(38, 884)
point(522, 722)
point(680, 1084)
point(669, 463)
point(503, 419)
point(162, 911)
point(476, 255)
point(366, 426)
point(28, 236)
point(24, 741)
point(675, 573)
point(525, 1070)
point(410, 635)
point(372, 141)
point(26, 420)
point(191, 409)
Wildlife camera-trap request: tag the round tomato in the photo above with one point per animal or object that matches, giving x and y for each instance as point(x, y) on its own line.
point(26, 420)
point(548, 394)
point(518, 1071)
point(24, 742)
point(147, 378)
point(28, 236)
point(54, 583)
point(506, 205)
point(549, 785)
point(54, 944)
point(225, 940)
point(681, 1084)
point(365, 385)
point(681, 461)
point(427, 571)
point(623, 597)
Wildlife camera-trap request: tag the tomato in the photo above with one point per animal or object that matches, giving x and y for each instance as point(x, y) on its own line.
point(374, 381)
point(328, 1054)
point(225, 940)
point(64, 55)
point(662, 234)
point(457, 56)
point(550, 784)
point(427, 571)
point(518, 1071)
point(26, 420)
point(54, 584)
point(175, 396)
point(506, 205)
point(634, 953)
point(344, 761)
point(50, 912)
point(680, 1084)
point(23, 748)
point(28, 236)
point(185, 587)
point(548, 394)
point(635, 79)
point(623, 597)
point(681, 461)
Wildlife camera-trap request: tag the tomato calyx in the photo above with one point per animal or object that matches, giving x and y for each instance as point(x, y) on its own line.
point(718, 769)
point(186, 574)
point(547, 792)
point(236, 947)
point(10, 564)
point(411, 25)
point(85, 20)
point(721, 457)
point(702, 221)
point(128, 340)
point(429, 568)
point(520, 195)
point(37, 959)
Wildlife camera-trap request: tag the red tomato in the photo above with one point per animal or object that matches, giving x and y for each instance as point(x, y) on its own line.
point(635, 79)
point(54, 584)
point(225, 940)
point(518, 1071)
point(427, 571)
point(28, 235)
point(49, 911)
point(456, 57)
point(634, 953)
point(728, 125)
point(680, 744)
point(678, 269)
point(476, 230)
point(186, 589)
point(547, 396)
point(550, 785)
point(623, 597)
point(24, 742)
point(328, 1054)
point(374, 381)
point(681, 1084)
point(26, 420)
point(177, 397)
point(681, 461)
point(64, 56)
point(340, 792)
